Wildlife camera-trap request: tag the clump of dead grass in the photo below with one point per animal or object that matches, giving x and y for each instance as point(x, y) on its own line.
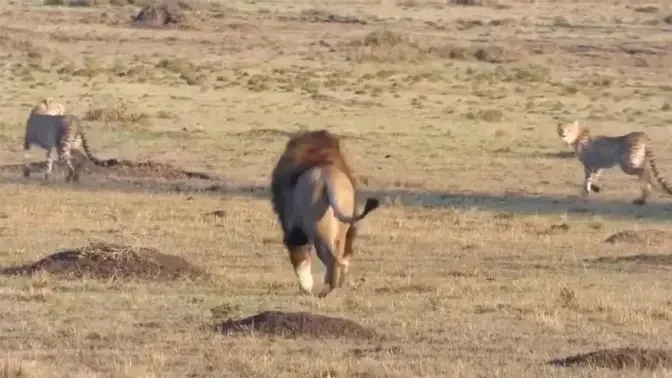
point(90, 3)
point(185, 70)
point(647, 9)
point(388, 46)
point(11, 369)
point(487, 115)
point(117, 113)
point(511, 74)
point(385, 46)
point(620, 358)
point(649, 236)
point(478, 3)
point(320, 15)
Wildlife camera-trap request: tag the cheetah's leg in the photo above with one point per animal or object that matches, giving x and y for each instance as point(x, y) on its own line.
point(644, 177)
point(66, 160)
point(50, 164)
point(26, 160)
point(589, 181)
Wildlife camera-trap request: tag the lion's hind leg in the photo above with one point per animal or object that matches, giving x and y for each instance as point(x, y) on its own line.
point(348, 250)
point(299, 249)
point(331, 255)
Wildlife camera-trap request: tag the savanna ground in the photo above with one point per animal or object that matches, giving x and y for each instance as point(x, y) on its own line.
point(482, 261)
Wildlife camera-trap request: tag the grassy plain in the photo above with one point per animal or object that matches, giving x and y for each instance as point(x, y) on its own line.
point(482, 260)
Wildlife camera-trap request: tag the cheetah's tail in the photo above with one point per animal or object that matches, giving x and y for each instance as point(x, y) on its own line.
point(662, 180)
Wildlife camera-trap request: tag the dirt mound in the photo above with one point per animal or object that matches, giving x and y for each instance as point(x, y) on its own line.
point(102, 260)
point(620, 358)
point(638, 237)
point(297, 324)
point(164, 14)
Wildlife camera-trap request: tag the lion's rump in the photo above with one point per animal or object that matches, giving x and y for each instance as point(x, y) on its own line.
point(302, 152)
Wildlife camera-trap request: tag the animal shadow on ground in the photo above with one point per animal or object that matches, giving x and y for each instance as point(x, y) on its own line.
point(297, 324)
point(122, 175)
point(516, 203)
point(111, 261)
point(619, 358)
point(125, 175)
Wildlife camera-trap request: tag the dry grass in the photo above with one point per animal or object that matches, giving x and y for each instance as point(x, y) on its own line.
point(482, 260)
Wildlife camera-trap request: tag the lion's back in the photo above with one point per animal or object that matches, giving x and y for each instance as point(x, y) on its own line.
point(304, 151)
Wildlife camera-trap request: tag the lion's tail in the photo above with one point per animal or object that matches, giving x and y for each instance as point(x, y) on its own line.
point(371, 204)
point(662, 180)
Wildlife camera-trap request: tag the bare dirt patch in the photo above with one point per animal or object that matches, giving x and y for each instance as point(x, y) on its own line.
point(297, 324)
point(619, 358)
point(638, 237)
point(103, 260)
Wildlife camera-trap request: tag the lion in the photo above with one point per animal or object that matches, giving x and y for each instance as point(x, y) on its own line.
point(313, 195)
